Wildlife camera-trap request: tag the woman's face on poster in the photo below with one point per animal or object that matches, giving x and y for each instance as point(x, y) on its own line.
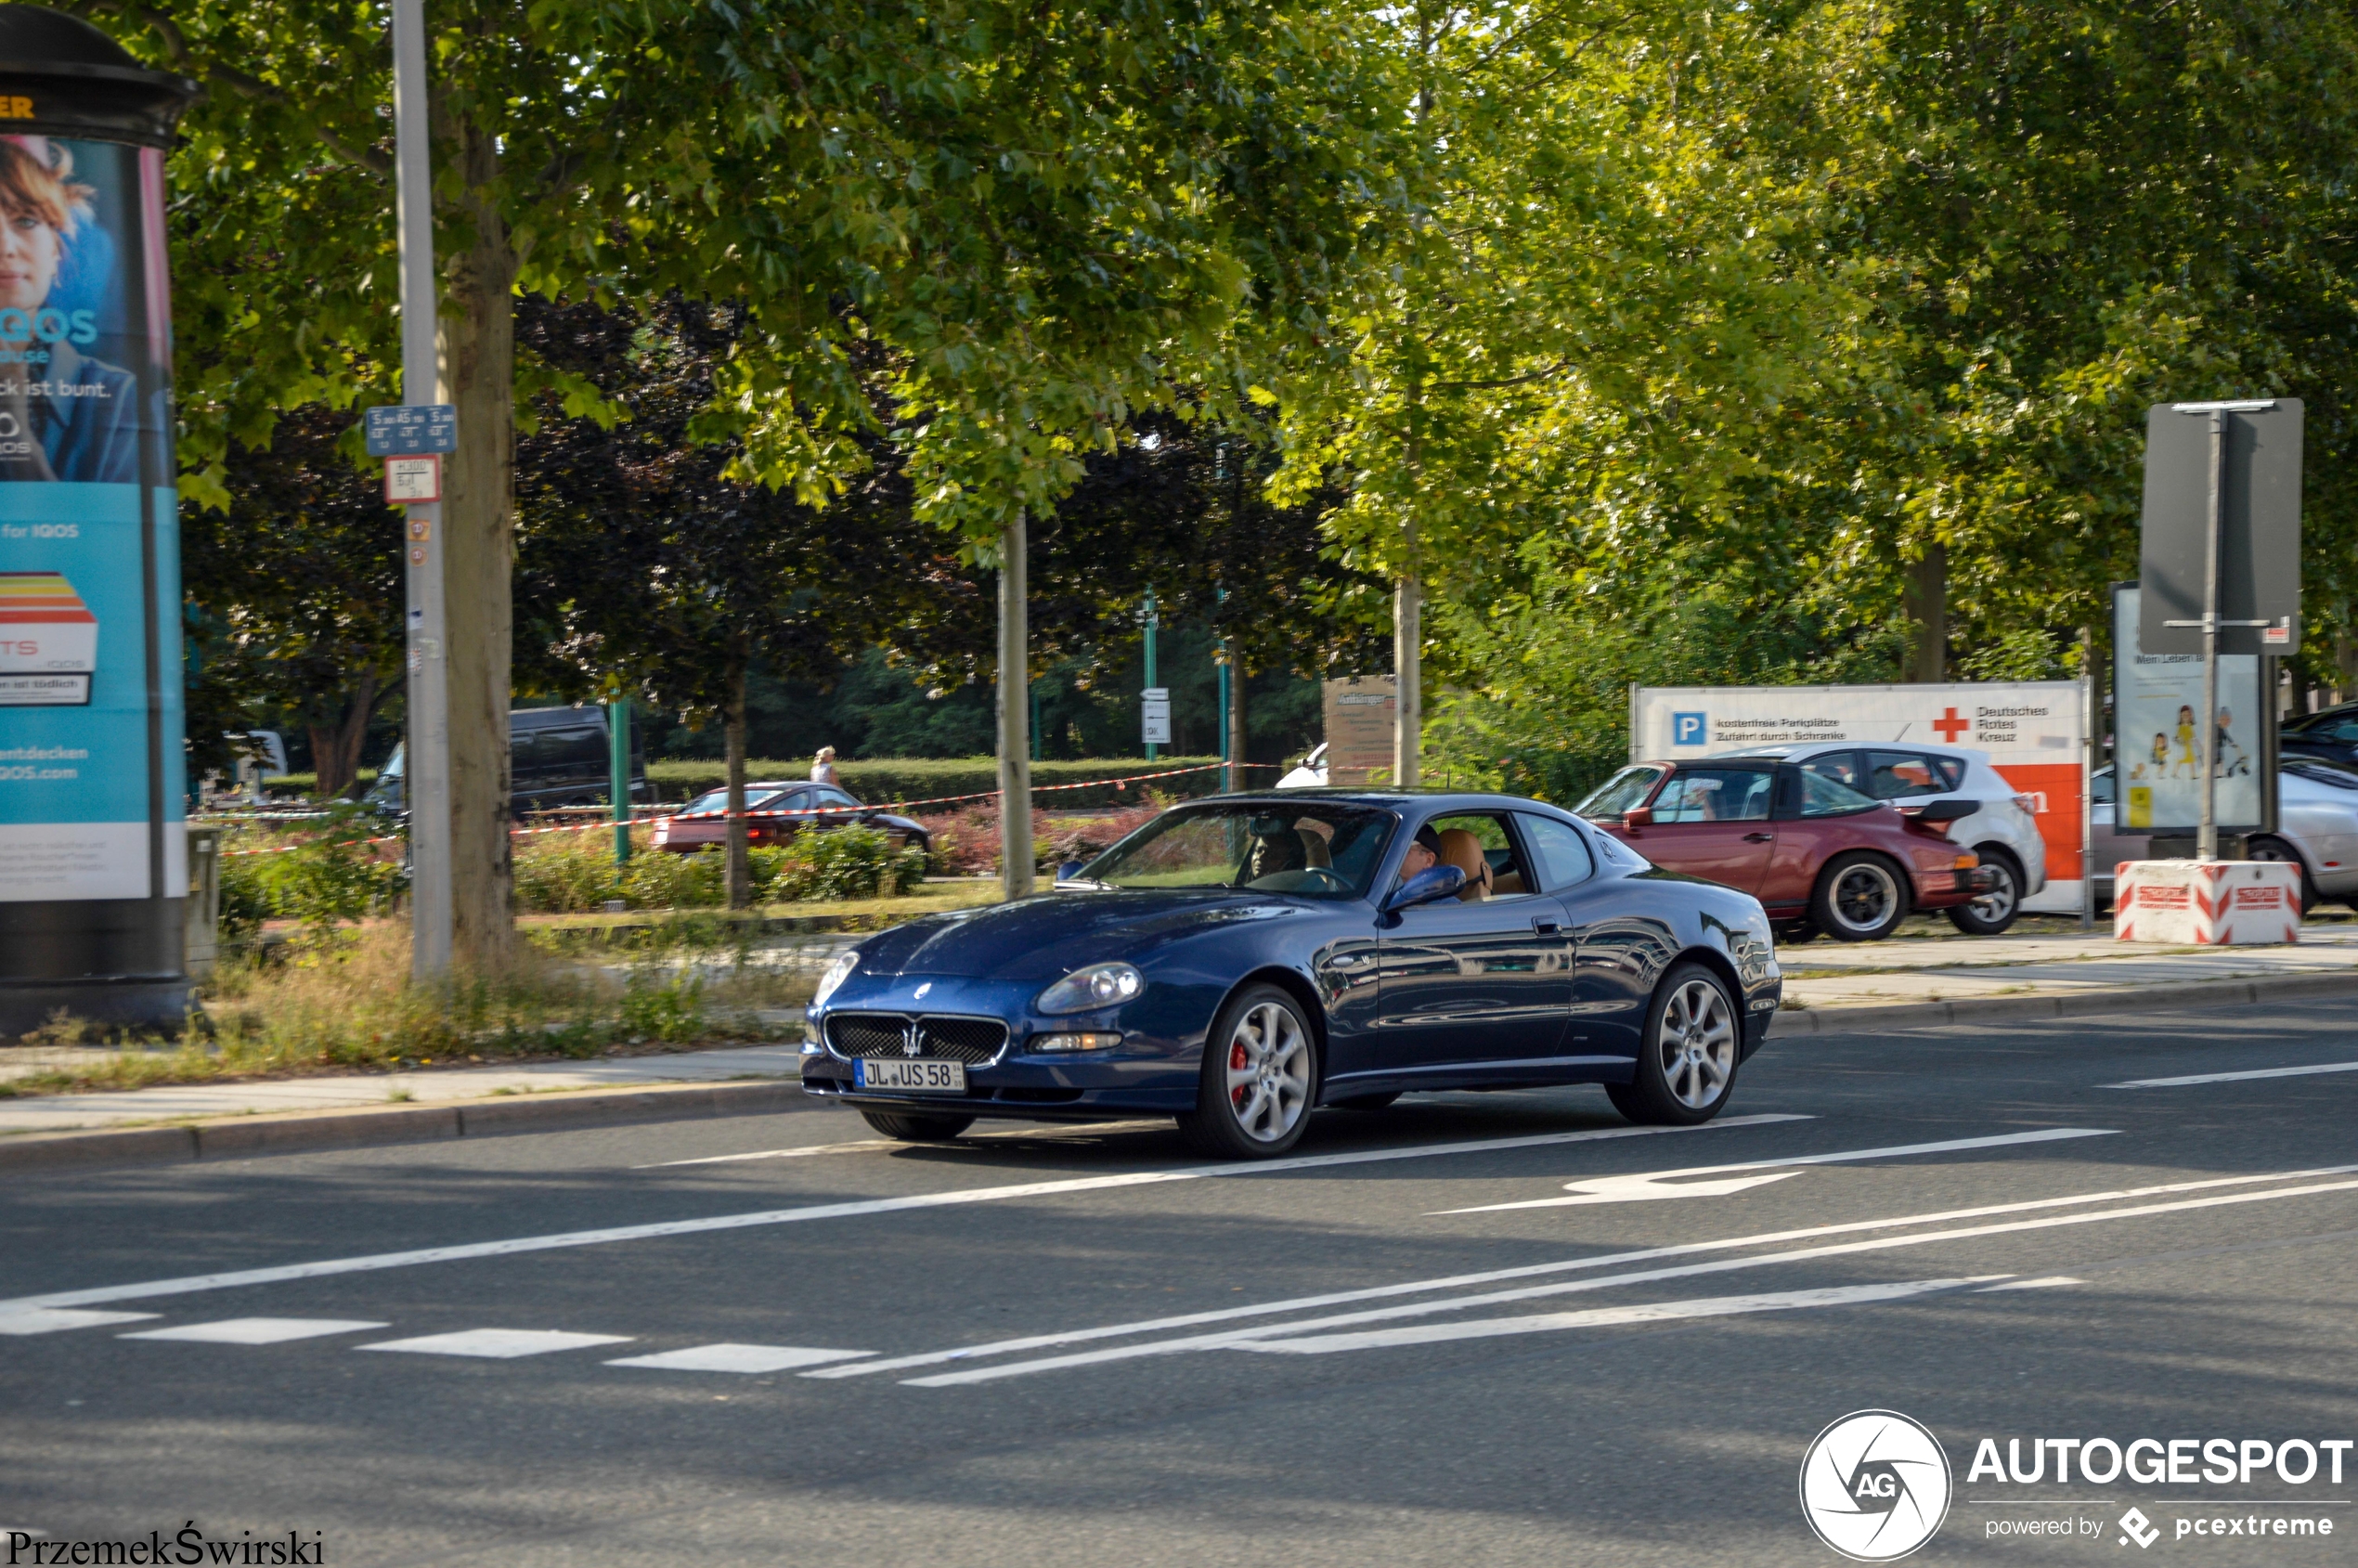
point(28, 252)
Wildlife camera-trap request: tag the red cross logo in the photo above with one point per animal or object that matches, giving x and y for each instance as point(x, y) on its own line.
point(1951, 726)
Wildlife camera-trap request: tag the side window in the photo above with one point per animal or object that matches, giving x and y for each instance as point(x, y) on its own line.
point(1719, 795)
point(829, 796)
point(1840, 766)
point(1948, 771)
point(2100, 788)
point(1562, 852)
point(1477, 844)
point(1894, 775)
point(1821, 796)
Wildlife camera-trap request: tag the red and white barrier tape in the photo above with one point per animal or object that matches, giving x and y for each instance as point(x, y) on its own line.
point(807, 812)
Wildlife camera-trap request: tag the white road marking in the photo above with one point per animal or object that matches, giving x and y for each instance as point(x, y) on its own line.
point(863, 1146)
point(498, 1344)
point(1608, 1260)
point(1275, 1330)
point(1607, 1317)
point(2231, 1077)
point(2043, 1282)
point(1649, 1185)
point(738, 1358)
point(48, 1320)
point(257, 1331)
point(184, 1286)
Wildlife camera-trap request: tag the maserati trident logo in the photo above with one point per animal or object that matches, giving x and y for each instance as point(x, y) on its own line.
point(1875, 1486)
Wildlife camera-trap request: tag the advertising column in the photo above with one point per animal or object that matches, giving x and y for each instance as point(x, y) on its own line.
point(93, 848)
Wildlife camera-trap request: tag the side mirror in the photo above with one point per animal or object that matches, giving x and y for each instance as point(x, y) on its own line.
point(1434, 882)
point(1945, 811)
point(1638, 816)
point(1067, 871)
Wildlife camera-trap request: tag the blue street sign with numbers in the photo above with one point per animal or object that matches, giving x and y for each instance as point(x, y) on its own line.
point(402, 430)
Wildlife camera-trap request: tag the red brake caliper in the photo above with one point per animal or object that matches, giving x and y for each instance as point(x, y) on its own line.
point(1236, 1061)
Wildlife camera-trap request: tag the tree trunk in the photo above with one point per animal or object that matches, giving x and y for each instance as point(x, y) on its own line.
point(1015, 717)
point(733, 729)
point(1407, 663)
point(2345, 664)
point(1925, 596)
point(476, 337)
point(335, 748)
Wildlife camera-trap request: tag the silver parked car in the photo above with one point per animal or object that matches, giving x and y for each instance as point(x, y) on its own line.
point(2316, 822)
point(2004, 833)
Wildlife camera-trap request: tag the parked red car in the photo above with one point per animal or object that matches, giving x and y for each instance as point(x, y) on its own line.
point(776, 812)
point(1819, 856)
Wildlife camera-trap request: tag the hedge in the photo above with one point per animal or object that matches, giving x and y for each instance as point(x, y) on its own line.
point(919, 778)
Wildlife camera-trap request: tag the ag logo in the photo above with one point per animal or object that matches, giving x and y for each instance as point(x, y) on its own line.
point(1875, 1486)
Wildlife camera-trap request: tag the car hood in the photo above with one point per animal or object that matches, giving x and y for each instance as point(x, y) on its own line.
point(1050, 935)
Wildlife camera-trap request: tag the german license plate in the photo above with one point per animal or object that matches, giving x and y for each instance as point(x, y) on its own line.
point(918, 1075)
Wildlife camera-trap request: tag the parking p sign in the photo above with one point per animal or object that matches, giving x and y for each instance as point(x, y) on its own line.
point(1689, 728)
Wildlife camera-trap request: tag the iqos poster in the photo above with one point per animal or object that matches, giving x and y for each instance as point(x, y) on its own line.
point(90, 794)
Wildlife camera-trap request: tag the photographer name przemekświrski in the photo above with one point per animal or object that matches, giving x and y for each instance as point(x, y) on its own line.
point(190, 1545)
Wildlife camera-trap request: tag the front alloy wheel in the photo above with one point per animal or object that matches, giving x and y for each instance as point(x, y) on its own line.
point(1257, 1078)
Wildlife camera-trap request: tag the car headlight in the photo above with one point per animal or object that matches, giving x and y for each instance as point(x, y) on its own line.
point(838, 972)
point(1097, 985)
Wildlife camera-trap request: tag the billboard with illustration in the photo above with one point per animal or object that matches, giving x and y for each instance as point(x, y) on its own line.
point(2158, 747)
point(90, 727)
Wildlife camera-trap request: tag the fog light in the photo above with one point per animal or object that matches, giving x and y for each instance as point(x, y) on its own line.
point(1100, 1041)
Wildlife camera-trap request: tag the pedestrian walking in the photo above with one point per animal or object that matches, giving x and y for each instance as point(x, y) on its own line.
point(823, 770)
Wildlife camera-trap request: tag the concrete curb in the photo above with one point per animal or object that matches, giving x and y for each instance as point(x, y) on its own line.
point(248, 1136)
point(1795, 1022)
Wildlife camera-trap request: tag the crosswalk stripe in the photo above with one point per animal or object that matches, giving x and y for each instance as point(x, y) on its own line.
point(49, 1320)
point(257, 1331)
point(738, 1358)
point(498, 1344)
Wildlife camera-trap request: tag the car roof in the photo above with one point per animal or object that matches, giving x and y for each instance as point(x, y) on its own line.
point(1385, 795)
point(1787, 753)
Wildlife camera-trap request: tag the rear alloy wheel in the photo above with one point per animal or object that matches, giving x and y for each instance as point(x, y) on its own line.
point(1687, 1067)
point(916, 1128)
point(1861, 897)
point(1994, 911)
point(2277, 850)
point(1260, 1076)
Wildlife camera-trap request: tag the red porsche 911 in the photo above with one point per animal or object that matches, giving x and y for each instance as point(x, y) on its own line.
point(1821, 858)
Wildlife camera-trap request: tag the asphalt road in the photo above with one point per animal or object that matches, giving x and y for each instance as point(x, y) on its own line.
point(1084, 1347)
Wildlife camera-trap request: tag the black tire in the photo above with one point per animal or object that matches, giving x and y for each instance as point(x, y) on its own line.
point(1259, 1081)
point(1366, 1102)
point(1687, 1057)
point(2276, 849)
point(915, 1127)
point(1994, 911)
point(1861, 897)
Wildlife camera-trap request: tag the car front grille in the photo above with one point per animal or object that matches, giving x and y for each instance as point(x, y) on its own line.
point(972, 1040)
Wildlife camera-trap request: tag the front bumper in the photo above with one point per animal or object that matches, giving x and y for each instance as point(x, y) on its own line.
point(1146, 1073)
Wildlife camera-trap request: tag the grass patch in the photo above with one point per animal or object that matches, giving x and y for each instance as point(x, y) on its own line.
point(348, 1005)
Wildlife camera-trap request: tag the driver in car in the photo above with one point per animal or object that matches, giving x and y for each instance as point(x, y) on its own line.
point(1423, 855)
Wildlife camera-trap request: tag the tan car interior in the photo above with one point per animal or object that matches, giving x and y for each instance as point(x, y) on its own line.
point(1461, 848)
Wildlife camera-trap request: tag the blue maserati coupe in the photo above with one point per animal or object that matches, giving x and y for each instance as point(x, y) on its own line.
point(1241, 960)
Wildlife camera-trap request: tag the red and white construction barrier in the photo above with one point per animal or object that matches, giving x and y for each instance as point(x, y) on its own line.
point(2207, 903)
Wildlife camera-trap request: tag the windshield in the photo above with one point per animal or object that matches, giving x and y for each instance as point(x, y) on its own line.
point(1319, 851)
point(718, 800)
point(1619, 793)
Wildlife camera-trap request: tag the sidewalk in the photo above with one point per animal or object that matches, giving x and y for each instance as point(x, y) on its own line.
point(1919, 981)
point(1914, 981)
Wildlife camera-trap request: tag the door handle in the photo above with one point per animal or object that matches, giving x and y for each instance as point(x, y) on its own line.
point(1546, 926)
point(1761, 838)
